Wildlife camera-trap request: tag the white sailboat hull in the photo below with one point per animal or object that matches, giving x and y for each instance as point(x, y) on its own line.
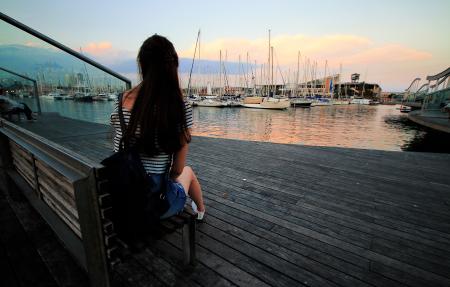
point(361, 101)
point(341, 102)
point(279, 104)
point(319, 104)
point(211, 103)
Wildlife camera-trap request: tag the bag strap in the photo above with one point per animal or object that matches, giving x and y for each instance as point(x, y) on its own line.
point(169, 166)
point(122, 125)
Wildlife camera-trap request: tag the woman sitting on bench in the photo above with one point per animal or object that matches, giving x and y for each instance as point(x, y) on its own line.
point(156, 114)
point(8, 107)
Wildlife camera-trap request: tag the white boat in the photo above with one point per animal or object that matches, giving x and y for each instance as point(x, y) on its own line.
point(266, 103)
point(360, 101)
point(233, 103)
point(211, 103)
point(321, 102)
point(112, 97)
point(50, 96)
point(100, 98)
point(340, 102)
point(405, 109)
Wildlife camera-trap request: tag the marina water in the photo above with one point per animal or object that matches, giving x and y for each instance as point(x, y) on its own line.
point(380, 127)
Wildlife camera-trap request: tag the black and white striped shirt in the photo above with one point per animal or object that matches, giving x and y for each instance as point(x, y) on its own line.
point(156, 164)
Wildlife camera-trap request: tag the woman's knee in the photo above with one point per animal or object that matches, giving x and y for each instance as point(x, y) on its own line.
point(188, 170)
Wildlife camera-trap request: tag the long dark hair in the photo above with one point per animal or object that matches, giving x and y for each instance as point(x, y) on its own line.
point(159, 109)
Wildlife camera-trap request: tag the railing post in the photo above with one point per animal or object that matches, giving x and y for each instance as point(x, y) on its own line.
point(36, 95)
point(91, 229)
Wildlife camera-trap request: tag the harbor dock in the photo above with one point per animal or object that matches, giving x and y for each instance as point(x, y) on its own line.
point(277, 215)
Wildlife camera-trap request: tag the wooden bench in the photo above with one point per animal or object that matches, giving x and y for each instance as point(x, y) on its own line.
point(71, 193)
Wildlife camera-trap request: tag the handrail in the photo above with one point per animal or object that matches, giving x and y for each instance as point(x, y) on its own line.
point(34, 85)
point(412, 83)
point(422, 87)
point(440, 75)
point(63, 47)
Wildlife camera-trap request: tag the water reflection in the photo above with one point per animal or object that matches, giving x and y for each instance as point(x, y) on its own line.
point(371, 127)
point(354, 126)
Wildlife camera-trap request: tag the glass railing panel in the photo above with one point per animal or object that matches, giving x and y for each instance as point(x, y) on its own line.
point(17, 89)
point(66, 84)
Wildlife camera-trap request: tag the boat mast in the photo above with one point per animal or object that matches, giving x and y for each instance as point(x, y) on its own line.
point(271, 49)
point(339, 79)
point(220, 73)
point(325, 78)
point(268, 70)
point(298, 73)
point(192, 65)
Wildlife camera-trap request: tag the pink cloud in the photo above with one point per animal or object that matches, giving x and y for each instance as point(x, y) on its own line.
point(98, 48)
point(32, 44)
point(388, 54)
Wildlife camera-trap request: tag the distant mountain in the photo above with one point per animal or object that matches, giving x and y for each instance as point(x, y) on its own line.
point(32, 60)
point(54, 65)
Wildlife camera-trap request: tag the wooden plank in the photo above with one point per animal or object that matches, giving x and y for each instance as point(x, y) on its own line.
point(73, 225)
point(384, 259)
point(240, 273)
point(72, 214)
point(200, 273)
point(346, 264)
point(57, 179)
point(55, 191)
point(163, 270)
point(315, 213)
point(316, 191)
point(22, 171)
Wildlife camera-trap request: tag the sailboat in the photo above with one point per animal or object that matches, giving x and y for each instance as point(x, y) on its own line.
point(213, 100)
point(267, 102)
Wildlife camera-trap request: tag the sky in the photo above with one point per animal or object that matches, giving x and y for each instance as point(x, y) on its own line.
point(387, 42)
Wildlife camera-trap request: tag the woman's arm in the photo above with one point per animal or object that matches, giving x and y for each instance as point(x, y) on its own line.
point(179, 161)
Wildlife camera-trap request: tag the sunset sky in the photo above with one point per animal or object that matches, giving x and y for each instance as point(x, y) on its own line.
point(388, 42)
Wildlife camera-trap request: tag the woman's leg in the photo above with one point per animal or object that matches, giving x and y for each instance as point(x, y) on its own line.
point(190, 184)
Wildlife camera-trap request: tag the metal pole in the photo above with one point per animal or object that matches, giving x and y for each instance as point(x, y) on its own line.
point(36, 96)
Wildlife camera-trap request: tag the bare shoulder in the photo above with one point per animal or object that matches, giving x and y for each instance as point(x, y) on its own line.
point(129, 97)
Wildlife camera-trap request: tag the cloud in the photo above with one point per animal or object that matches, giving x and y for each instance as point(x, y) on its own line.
point(33, 44)
point(286, 47)
point(99, 48)
point(105, 53)
point(355, 53)
point(392, 65)
point(387, 54)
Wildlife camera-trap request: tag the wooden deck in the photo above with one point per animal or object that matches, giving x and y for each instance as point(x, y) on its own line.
point(288, 215)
